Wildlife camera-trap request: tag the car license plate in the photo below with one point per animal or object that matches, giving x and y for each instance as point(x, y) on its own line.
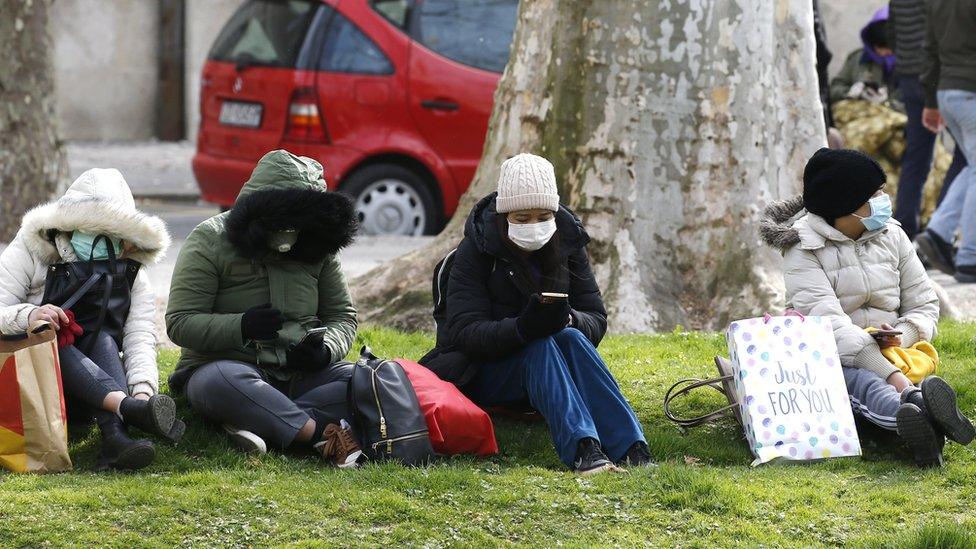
point(245, 115)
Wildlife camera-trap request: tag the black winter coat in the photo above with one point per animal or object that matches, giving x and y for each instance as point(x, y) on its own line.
point(488, 289)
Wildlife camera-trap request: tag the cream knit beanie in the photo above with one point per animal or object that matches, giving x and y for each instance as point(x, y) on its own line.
point(527, 182)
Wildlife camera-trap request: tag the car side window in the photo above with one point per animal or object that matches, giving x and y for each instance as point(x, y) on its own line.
point(347, 49)
point(394, 11)
point(478, 34)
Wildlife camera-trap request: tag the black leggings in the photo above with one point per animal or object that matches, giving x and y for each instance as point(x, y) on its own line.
point(89, 379)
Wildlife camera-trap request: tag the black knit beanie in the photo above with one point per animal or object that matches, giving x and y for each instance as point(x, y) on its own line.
point(838, 182)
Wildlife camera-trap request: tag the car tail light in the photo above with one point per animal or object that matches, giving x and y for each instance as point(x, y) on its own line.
point(304, 117)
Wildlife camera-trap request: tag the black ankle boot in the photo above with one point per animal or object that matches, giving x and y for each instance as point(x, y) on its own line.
point(156, 416)
point(916, 429)
point(121, 452)
point(940, 405)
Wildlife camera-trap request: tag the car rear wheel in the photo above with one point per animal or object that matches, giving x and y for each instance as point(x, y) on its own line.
point(392, 200)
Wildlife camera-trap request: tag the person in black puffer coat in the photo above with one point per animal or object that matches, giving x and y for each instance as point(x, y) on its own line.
point(504, 344)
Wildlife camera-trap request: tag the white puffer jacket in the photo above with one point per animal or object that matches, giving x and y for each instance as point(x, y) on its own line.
point(98, 202)
point(861, 283)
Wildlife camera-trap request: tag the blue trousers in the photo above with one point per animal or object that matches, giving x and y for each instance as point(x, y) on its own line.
point(564, 378)
point(917, 159)
point(958, 211)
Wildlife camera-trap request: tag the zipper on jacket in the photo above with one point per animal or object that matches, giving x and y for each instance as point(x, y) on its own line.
point(389, 442)
point(379, 406)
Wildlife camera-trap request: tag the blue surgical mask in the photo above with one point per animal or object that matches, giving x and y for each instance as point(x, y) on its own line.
point(83, 243)
point(880, 213)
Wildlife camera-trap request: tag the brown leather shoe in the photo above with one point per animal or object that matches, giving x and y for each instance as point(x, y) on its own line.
point(338, 446)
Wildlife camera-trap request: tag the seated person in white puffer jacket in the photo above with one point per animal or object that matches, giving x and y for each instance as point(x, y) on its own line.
point(847, 259)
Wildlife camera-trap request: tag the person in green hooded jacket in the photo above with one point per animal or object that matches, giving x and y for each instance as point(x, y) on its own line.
point(260, 306)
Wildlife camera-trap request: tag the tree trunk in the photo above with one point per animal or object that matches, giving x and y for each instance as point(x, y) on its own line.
point(31, 158)
point(670, 124)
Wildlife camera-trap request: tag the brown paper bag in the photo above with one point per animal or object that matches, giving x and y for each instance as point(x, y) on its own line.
point(33, 423)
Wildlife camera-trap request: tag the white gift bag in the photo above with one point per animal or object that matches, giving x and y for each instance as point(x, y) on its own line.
point(791, 389)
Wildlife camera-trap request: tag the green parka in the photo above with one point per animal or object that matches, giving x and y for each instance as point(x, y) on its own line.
point(226, 267)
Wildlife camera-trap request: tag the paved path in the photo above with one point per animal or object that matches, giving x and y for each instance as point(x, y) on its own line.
point(152, 168)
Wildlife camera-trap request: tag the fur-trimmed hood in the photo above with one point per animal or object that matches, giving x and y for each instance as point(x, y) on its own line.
point(287, 191)
point(786, 223)
point(99, 202)
point(777, 224)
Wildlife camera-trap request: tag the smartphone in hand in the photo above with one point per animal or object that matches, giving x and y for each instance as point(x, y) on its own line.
point(548, 298)
point(881, 334)
point(313, 337)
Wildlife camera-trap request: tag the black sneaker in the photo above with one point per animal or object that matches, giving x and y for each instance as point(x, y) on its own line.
point(917, 431)
point(938, 252)
point(638, 455)
point(965, 274)
point(591, 460)
point(941, 406)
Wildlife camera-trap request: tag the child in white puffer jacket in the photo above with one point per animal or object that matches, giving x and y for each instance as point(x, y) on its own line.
point(846, 259)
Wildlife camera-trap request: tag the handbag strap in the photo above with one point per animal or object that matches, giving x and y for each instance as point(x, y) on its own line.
point(685, 386)
point(106, 298)
point(81, 291)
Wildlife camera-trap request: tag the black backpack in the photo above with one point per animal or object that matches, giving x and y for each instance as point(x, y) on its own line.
point(442, 272)
point(386, 414)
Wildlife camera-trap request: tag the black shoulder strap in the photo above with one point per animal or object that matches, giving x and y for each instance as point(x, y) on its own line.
point(81, 291)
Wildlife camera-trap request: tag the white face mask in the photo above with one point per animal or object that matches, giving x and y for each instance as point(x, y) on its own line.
point(531, 236)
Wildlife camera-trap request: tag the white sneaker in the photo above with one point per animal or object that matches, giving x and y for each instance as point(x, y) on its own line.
point(248, 442)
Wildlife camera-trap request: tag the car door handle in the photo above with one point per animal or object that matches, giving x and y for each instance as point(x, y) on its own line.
point(439, 105)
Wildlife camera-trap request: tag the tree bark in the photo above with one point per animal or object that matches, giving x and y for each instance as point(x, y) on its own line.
point(31, 157)
point(671, 123)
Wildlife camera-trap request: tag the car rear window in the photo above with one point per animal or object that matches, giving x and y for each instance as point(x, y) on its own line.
point(265, 32)
point(478, 34)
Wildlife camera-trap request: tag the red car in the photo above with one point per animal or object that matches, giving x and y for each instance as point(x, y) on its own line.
point(391, 96)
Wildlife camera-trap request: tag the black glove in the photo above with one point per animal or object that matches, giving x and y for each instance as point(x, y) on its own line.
point(308, 356)
point(540, 320)
point(261, 323)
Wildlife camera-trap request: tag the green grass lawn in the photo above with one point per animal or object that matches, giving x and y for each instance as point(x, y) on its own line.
point(704, 494)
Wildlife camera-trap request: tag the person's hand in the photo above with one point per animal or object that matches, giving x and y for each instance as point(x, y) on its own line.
point(889, 341)
point(542, 319)
point(856, 90)
point(932, 120)
point(876, 96)
point(899, 381)
point(70, 331)
point(141, 396)
point(261, 323)
point(308, 356)
point(49, 313)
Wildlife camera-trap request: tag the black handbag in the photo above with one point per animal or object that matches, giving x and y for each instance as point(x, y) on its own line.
point(98, 292)
point(386, 414)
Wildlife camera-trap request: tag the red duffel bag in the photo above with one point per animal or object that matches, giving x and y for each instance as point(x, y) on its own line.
point(456, 425)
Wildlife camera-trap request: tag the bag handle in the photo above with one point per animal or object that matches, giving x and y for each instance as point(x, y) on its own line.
point(789, 312)
point(685, 386)
point(107, 284)
point(81, 291)
point(112, 259)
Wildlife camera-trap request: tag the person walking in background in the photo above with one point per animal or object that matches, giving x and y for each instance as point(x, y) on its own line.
point(950, 101)
point(249, 287)
point(514, 344)
point(117, 382)
point(906, 33)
